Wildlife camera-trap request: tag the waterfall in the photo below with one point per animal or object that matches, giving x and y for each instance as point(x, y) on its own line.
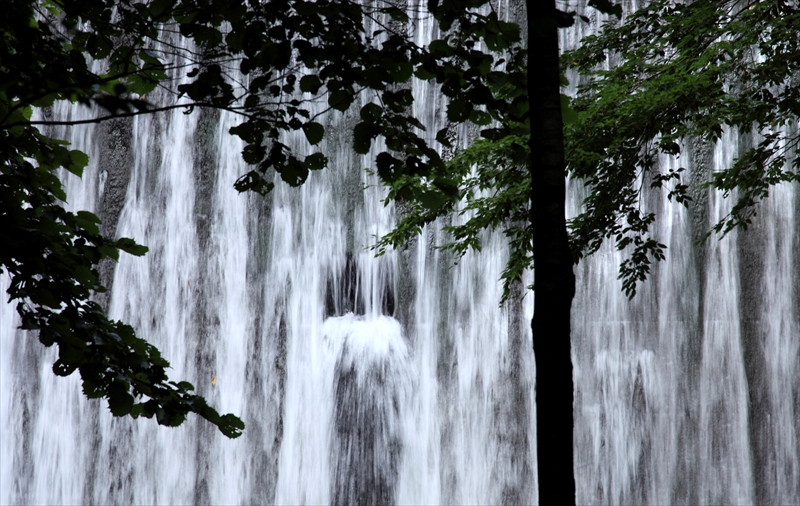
point(399, 379)
point(690, 392)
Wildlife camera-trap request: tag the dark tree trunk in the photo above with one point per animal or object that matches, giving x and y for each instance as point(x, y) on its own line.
point(554, 280)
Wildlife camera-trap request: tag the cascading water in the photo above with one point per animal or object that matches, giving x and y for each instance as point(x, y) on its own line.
point(360, 379)
point(690, 392)
point(398, 379)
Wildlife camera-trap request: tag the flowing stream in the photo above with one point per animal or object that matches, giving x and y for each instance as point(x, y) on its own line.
point(398, 379)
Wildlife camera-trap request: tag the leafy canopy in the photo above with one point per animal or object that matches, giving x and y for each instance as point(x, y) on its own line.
point(265, 61)
point(50, 253)
point(682, 71)
point(664, 74)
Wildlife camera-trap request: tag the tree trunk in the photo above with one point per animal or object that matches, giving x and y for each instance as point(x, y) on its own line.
point(554, 280)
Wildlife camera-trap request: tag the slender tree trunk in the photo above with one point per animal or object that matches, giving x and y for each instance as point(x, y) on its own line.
point(554, 280)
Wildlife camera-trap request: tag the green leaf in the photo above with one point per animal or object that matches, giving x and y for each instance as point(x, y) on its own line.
point(568, 114)
point(88, 221)
point(142, 83)
point(494, 134)
point(371, 112)
point(422, 73)
point(252, 101)
point(294, 172)
point(253, 153)
point(231, 426)
point(310, 84)
point(108, 251)
point(340, 100)
point(185, 385)
point(448, 187)
point(129, 246)
point(432, 200)
point(314, 132)
point(396, 14)
point(316, 161)
point(403, 72)
point(440, 48)
point(480, 118)
point(362, 138)
point(253, 181)
point(120, 401)
point(62, 368)
point(607, 7)
point(389, 167)
point(441, 137)
point(458, 110)
point(78, 161)
point(91, 390)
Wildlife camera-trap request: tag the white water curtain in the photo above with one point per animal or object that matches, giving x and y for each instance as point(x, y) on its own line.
point(426, 394)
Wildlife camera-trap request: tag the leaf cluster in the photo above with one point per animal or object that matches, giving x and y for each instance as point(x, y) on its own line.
point(270, 62)
point(49, 52)
point(51, 256)
point(670, 72)
point(664, 74)
point(485, 186)
point(493, 193)
point(481, 87)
